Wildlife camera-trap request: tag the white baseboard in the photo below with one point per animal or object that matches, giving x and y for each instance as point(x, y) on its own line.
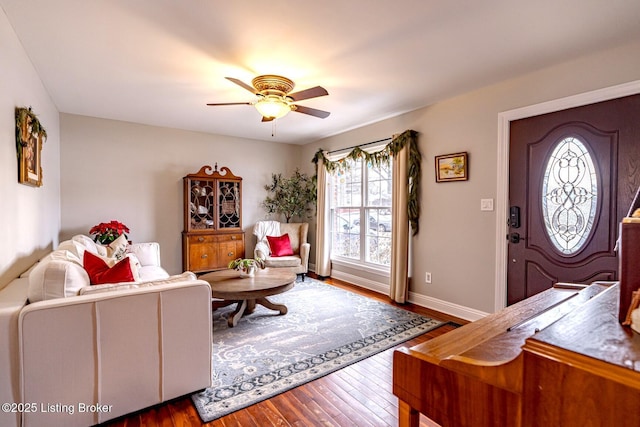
point(372, 285)
point(445, 307)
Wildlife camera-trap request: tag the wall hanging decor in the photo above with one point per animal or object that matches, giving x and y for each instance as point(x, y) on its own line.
point(452, 167)
point(29, 138)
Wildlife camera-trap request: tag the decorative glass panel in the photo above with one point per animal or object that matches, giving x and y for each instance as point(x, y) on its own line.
point(569, 195)
point(229, 204)
point(201, 205)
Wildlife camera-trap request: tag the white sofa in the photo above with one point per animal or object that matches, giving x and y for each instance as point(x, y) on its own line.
point(85, 354)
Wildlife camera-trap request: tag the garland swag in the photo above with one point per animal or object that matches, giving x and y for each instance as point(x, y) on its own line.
point(27, 125)
point(409, 137)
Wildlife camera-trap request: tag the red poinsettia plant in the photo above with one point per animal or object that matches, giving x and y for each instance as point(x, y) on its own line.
point(107, 232)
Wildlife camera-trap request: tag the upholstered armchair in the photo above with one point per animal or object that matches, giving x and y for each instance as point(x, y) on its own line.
point(277, 253)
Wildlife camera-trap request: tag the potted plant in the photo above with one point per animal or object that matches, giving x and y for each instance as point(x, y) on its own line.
point(247, 266)
point(107, 232)
point(291, 197)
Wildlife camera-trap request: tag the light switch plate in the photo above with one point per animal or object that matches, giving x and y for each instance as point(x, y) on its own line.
point(486, 204)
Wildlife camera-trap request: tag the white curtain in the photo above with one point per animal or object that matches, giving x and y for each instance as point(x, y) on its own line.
point(323, 237)
point(399, 278)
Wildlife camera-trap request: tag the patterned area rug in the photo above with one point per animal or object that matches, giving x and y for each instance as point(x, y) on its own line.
point(325, 329)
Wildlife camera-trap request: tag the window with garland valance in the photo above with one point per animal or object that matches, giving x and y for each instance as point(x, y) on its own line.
point(405, 207)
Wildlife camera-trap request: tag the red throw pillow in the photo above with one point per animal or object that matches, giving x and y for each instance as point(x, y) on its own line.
point(100, 273)
point(280, 246)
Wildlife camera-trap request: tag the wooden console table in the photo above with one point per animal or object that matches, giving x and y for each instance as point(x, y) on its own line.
point(559, 358)
point(583, 370)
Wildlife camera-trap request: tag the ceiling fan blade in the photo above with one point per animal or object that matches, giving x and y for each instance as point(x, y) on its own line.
point(313, 92)
point(243, 85)
point(268, 119)
point(230, 103)
point(312, 111)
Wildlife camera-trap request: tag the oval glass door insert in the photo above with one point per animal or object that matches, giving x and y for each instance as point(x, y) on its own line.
point(569, 195)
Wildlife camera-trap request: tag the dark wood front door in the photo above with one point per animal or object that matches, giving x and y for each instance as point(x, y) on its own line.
point(573, 175)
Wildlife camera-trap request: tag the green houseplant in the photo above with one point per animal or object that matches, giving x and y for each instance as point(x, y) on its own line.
point(291, 197)
point(246, 266)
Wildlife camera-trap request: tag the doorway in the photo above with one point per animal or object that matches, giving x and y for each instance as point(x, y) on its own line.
point(573, 174)
point(502, 198)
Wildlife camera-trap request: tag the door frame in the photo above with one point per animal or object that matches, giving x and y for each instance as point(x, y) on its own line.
point(502, 186)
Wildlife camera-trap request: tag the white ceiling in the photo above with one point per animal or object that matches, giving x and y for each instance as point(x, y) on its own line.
point(158, 62)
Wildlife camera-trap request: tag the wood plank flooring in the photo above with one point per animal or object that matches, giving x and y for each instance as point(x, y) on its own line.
point(358, 395)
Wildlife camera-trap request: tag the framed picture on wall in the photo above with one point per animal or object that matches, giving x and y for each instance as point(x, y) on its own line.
point(452, 167)
point(30, 165)
point(29, 138)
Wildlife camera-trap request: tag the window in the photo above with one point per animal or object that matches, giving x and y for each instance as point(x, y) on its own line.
point(360, 207)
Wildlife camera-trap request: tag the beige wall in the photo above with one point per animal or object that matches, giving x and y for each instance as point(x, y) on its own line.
point(30, 216)
point(133, 173)
point(107, 170)
point(457, 242)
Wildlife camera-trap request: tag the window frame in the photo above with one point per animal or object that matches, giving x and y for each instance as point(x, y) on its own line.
point(363, 210)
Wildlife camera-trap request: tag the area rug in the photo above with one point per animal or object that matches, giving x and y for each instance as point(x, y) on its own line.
point(326, 328)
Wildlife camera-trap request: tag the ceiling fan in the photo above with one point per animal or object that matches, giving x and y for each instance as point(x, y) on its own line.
point(275, 99)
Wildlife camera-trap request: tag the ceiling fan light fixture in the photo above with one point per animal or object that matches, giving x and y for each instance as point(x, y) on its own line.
point(275, 99)
point(273, 106)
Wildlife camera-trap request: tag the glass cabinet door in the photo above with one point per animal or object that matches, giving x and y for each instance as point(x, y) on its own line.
point(229, 204)
point(201, 205)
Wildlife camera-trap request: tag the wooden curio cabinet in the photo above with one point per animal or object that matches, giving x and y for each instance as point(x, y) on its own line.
point(212, 233)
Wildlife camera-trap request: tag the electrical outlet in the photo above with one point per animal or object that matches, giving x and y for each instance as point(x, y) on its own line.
point(427, 277)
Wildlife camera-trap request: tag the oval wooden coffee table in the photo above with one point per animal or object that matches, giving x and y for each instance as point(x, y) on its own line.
point(228, 287)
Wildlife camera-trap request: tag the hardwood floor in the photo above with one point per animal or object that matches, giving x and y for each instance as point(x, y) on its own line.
point(357, 395)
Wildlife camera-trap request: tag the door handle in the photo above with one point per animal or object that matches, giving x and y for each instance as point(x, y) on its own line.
point(515, 237)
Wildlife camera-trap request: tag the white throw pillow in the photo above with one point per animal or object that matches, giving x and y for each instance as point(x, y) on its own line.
point(58, 275)
point(135, 266)
point(118, 248)
point(148, 253)
point(90, 245)
point(74, 247)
